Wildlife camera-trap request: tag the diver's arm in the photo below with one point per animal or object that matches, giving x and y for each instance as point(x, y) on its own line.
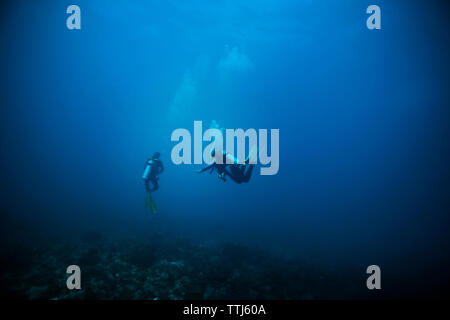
point(161, 167)
point(211, 166)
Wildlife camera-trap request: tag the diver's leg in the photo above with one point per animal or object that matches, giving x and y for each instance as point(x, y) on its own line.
point(235, 175)
point(248, 174)
point(154, 180)
point(251, 155)
point(147, 186)
point(232, 177)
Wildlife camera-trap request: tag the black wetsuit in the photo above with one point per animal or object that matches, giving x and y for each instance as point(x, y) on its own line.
point(156, 168)
point(239, 173)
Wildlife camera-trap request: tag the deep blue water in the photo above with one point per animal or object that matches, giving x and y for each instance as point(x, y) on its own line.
point(363, 116)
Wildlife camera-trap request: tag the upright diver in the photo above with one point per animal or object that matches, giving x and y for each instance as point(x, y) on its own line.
point(153, 167)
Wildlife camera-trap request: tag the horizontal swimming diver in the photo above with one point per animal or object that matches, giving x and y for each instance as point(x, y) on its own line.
point(239, 173)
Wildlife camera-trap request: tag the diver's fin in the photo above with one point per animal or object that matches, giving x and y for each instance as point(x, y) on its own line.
point(149, 203)
point(153, 206)
point(148, 199)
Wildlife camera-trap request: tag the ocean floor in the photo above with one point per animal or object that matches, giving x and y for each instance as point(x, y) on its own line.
point(162, 268)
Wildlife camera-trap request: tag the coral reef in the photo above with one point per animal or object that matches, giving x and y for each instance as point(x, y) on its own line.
point(160, 268)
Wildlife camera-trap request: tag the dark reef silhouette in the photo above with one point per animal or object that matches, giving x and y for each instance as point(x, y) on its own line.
point(161, 268)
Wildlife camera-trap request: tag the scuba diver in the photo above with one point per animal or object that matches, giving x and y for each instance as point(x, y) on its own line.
point(220, 168)
point(239, 173)
point(153, 167)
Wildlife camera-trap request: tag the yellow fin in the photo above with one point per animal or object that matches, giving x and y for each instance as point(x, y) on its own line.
point(153, 206)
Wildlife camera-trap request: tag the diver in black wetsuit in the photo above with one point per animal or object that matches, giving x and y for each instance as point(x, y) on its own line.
point(219, 167)
point(239, 173)
point(153, 167)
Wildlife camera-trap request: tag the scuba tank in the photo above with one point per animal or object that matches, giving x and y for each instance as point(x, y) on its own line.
point(147, 169)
